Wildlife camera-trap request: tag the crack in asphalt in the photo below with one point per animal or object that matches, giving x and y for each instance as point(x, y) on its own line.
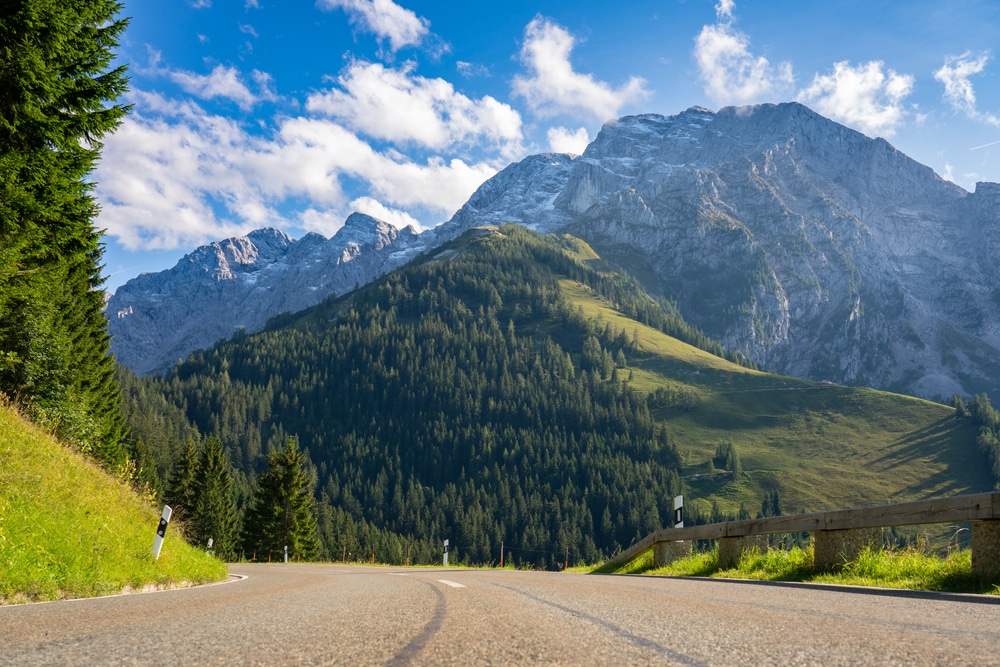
point(618, 630)
point(417, 644)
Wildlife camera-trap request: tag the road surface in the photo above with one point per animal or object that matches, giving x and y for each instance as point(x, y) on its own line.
point(329, 614)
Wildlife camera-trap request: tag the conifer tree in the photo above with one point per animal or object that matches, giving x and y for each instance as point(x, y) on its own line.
point(181, 491)
point(214, 507)
point(281, 514)
point(57, 94)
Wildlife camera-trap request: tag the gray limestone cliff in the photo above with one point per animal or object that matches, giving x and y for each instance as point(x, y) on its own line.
point(213, 292)
point(816, 251)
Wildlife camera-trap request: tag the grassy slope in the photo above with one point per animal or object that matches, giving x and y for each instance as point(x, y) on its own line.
point(824, 446)
point(67, 529)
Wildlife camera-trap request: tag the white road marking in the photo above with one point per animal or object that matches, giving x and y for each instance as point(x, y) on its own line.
point(397, 574)
point(451, 583)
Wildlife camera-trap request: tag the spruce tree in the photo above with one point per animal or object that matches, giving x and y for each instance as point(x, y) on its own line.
point(57, 94)
point(281, 513)
point(181, 491)
point(214, 507)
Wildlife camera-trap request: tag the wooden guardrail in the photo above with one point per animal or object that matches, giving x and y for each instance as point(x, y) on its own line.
point(839, 534)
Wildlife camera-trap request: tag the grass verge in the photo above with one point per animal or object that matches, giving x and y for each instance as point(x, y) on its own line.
point(68, 529)
point(909, 568)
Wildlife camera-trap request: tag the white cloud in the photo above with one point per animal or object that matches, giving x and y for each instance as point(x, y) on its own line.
point(863, 97)
point(554, 88)
point(730, 72)
point(564, 140)
point(395, 217)
point(958, 89)
point(251, 4)
point(724, 10)
point(224, 82)
point(395, 105)
point(469, 70)
point(949, 173)
point(248, 29)
point(200, 4)
point(385, 19)
point(174, 175)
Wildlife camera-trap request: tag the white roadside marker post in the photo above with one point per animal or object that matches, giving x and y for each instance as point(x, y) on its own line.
point(678, 511)
point(161, 531)
point(446, 553)
point(286, 553)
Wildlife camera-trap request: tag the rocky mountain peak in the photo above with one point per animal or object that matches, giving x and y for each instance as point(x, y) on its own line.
point(814, 250)
point(238, 283)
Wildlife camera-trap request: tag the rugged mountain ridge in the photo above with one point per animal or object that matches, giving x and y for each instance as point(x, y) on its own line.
point(816, 251)
point(158, 318)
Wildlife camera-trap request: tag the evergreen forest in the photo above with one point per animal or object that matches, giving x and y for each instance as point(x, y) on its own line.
point(462, 398)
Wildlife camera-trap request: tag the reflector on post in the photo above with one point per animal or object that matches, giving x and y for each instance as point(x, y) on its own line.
point(161, 531)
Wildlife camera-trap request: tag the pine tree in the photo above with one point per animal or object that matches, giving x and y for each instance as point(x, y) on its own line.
point(181, 491)
point(281, 513)
point(55, 85)
point(214, 508)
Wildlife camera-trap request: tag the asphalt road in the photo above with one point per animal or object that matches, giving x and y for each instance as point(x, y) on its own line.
point(328, 614)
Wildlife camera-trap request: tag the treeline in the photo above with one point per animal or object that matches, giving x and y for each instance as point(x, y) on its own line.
point(985, 416)
point(462, 398)
point(57, 101)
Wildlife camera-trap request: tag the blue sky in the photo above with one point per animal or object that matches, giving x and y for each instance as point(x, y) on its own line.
point(293, 114)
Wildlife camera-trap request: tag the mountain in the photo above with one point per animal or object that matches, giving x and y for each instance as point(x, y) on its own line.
point(509, 386)
point(157, 319)
point(810, 248)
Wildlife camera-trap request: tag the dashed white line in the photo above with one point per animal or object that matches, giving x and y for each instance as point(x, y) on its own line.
point(453, 584)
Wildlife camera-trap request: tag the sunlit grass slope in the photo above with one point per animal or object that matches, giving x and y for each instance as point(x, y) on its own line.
point(67, 529)
point(824, 446)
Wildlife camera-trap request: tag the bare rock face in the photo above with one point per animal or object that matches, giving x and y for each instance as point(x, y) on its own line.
point(816, 251)
point(813, 249)
point(158, 318)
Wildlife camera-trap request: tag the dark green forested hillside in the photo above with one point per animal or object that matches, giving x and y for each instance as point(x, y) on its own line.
point(462, 397)
point(512, 388)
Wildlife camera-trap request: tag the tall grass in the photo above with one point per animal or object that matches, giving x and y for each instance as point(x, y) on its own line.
point(911, 568)
point(67, 529)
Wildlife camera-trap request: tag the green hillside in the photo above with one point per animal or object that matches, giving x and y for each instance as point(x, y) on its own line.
point(824, 446)
point(511, 387)
point(68, 529)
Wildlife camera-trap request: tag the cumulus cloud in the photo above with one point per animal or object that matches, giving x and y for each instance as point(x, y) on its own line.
point(396, 105)
point(564, 140)
point(224, 82)
point(395, 217)
point(864, 97)
point(553, 87)
point(959, 92)
point(385, 19)
point(175, 174)
point(730, 72)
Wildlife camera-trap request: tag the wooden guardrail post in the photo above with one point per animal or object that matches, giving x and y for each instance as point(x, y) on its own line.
point(731, 549)
point(833, 548)
point(986, 549)
point(665, 553)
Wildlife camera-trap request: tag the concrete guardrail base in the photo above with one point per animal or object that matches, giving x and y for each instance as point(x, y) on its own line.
point(665, 553)
point(986, 549)
point(833, 548)
point(731, 549)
